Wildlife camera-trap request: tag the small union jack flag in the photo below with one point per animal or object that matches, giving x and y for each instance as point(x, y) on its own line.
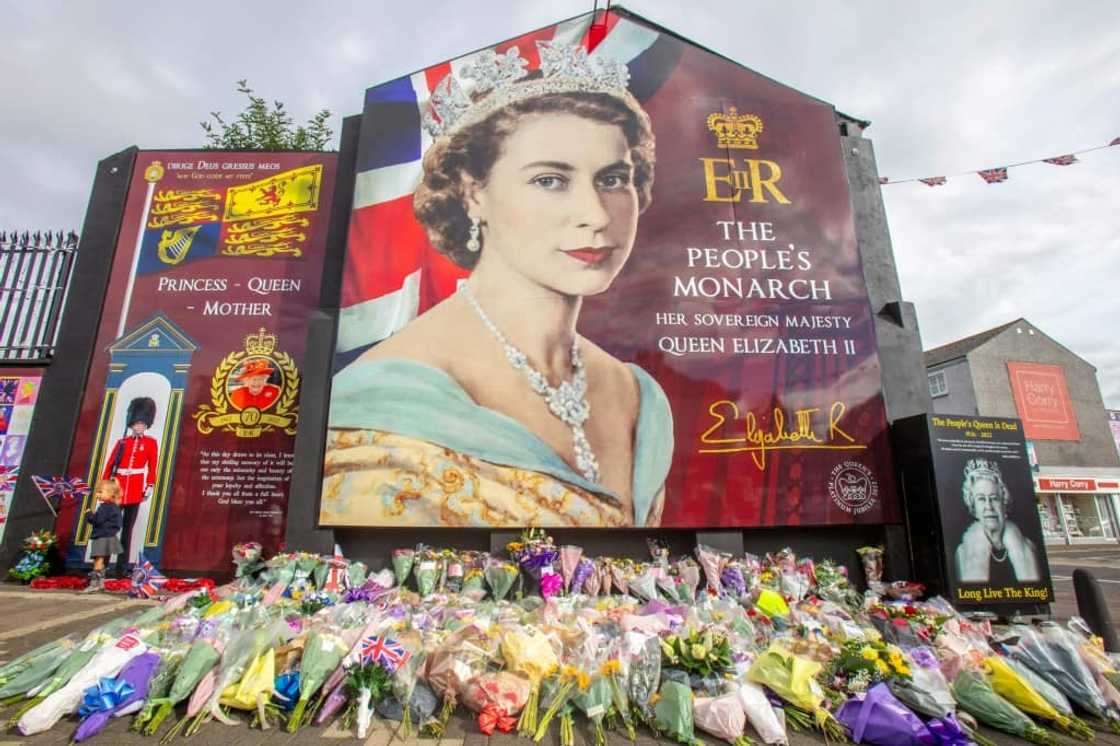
point(993, 175)
point(1061, 160)
point(66, 489)
point(384, 651)
point(146, 579)
point(8, 477)
point(63, 487)
point(933, 181)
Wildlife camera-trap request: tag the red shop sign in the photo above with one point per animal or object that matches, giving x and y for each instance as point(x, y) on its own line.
point(1067, 485)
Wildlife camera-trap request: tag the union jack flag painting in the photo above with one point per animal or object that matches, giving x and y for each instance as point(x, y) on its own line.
point(994, 175)
point(933, 181)
point(384, 651)
point(1061, 160)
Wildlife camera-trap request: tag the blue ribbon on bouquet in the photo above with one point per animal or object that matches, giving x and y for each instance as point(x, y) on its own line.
point(104, 696)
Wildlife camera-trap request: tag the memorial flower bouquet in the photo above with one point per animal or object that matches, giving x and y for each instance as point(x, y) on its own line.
point(111, 697)
point(644, 653)
point(247, 559)
point(569, 680)
point(106, 662)
point(528, 652)
point(427, 569)
point(672, 713)
point(570, 557)
point(254, 691)
point(877, 717)
point(722, 717)
point(203, 655)
point(794, 678)
point(711, 562)
point(245, 647)
point(1016, 690)
point(596, 701)
point(452, 666)
point(500, 576)
point(76, 660)
point(367, 682)
point(872, 557)
point(402, 564)
point(761, 713)
point(863, 664)
point(705, 654)
point(975, 695)
point(35, 559)
point(323, 653)
point(1049, 652)
point(32, 669)
point(537, 557)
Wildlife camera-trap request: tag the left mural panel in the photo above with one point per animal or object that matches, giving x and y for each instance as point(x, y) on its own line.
point(217, 267)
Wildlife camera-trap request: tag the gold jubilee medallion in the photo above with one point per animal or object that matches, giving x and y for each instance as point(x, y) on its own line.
point(253, 391)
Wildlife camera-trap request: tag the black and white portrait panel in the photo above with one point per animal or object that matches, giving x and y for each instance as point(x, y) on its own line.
point(998, 545)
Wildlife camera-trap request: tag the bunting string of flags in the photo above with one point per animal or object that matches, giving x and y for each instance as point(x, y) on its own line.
point(999, 173)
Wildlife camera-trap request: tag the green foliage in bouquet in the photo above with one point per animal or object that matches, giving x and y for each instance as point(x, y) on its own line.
point(702, 653)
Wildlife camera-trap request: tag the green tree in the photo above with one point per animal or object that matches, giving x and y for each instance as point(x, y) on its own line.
point(261, 128)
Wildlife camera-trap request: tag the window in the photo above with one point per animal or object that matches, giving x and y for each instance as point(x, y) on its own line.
point(938, 384)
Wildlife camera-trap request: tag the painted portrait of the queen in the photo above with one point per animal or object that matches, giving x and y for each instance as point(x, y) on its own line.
point(490, 409)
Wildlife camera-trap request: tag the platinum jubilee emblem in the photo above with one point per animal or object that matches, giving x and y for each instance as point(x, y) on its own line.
point(252, 391)
point(853, 487)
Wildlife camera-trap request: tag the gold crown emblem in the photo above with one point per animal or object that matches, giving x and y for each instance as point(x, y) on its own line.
point(153, 172)
point(735, 130)
point(261, 343)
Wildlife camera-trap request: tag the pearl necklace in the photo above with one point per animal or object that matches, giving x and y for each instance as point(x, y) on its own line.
point(568, 401)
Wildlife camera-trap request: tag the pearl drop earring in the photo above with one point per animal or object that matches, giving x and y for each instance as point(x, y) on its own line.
point(473, 244)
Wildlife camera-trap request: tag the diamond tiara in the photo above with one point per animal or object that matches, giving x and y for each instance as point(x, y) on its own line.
point(982, 467)
point(495, 83)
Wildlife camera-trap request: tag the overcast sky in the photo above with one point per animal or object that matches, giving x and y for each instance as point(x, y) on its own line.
point(949, 87)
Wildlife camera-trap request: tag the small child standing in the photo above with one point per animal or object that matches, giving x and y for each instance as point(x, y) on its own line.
point(106, 523)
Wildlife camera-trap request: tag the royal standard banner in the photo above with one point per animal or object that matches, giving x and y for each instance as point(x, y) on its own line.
point(598, 276)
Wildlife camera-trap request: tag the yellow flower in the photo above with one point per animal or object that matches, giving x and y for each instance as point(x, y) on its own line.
point(611, 667)
point(904, 670)
point(869, 654)
point(583, 680)
point(698, 652)
point(882, 667)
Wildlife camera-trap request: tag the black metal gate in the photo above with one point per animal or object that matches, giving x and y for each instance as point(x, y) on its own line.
point(34, 275)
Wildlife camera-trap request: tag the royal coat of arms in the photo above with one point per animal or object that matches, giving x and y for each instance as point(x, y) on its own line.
point(253, 391)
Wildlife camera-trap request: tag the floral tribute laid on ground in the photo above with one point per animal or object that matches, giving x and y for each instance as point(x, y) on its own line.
point(736, 649)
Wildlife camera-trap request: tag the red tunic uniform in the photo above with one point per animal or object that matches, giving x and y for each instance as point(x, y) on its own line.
point(136, 469)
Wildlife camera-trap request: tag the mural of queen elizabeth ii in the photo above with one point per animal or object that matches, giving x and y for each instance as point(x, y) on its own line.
point(992, 548)
point(490, 409)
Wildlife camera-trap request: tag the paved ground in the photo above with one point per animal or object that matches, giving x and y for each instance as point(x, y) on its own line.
point(31, 618)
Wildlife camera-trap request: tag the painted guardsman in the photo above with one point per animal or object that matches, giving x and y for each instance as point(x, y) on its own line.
point(132, 462)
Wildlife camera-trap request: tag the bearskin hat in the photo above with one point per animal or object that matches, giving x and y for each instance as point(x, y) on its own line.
point(141, 409)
